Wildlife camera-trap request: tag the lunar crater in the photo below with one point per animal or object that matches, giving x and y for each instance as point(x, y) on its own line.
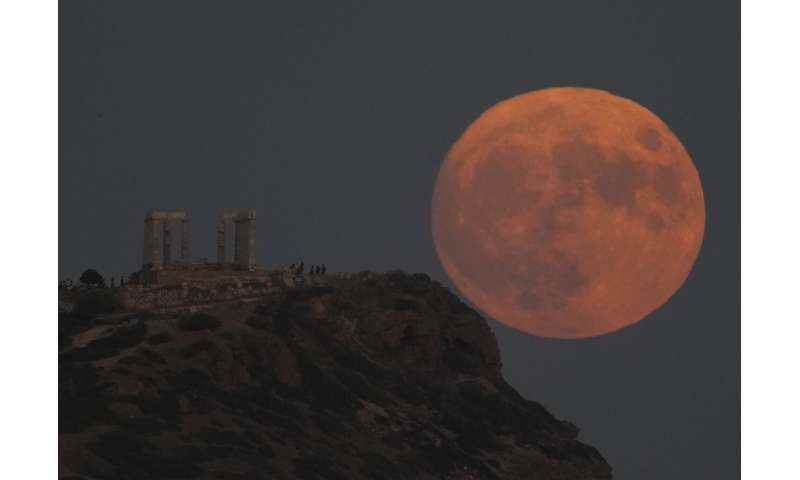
point(649, 138)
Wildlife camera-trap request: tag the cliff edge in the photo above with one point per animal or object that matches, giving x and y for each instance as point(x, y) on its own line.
point(370, 376)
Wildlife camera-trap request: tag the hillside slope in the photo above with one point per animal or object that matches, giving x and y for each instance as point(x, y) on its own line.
point(374, 376)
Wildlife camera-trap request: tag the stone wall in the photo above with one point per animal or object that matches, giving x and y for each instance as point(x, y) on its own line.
point(192, 295)
point(194, 287)
point(178, 273)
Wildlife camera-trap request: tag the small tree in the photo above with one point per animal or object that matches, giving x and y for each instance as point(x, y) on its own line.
point(92, 278)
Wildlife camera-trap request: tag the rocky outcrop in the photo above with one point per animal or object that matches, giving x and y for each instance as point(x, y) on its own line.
point(371, 376)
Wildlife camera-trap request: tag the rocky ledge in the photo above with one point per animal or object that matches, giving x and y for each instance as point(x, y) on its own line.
point(369, 376)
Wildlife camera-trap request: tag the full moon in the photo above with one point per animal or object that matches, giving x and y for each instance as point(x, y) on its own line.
point(568, 212)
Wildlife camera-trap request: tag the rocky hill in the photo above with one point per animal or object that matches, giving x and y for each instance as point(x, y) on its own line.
point(373, 376)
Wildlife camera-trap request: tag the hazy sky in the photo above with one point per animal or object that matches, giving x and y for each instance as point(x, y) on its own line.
point(331, 120)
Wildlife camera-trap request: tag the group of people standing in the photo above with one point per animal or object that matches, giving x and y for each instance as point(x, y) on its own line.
point(299, 268)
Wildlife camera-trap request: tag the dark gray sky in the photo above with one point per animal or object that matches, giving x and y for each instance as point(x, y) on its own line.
point(331, 119)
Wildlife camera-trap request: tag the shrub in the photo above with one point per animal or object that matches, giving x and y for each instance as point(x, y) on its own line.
point(159, 338)
point(92, 278)
point(97, 302)
point(198, 321)
point(195, 348)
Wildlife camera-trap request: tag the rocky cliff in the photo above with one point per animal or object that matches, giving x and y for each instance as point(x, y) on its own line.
point(373, 376)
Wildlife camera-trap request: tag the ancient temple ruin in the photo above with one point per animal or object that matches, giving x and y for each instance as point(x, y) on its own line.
point(244, 238)
point(158, 230)
point(237, 227)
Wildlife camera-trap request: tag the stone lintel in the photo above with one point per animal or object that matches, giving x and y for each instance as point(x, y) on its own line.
point(164, 215)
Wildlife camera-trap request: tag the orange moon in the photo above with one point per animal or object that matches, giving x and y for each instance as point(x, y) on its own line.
point(568, 212)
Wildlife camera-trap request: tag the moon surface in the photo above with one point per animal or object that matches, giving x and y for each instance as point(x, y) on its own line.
point(568, 212)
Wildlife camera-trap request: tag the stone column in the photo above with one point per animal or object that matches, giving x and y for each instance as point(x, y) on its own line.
point(237, 239)
point(167, 242)
point(246, 240)
point(221, 240)
point(152, 242)
point(185, 240)
point(251, 244)
point(147, 246)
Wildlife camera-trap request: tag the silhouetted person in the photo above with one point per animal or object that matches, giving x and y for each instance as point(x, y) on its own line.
point(301, 267)
point(323, 269)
